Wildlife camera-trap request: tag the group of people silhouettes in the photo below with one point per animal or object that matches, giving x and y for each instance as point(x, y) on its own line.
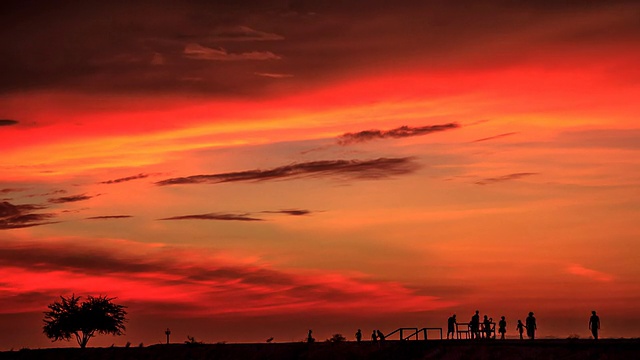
point(486, 328)
point(376, 336)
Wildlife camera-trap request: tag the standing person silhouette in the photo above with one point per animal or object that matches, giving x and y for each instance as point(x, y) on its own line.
point(531, 326)
point(359, 335)
point(374, 336)
point(594, 324)
point(310, 338)
point(451, 326)
point(486, 327)
point(520, 327)
point(475, 325)
point(502, 327)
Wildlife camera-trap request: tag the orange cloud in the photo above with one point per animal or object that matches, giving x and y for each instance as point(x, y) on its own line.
point(580, 270)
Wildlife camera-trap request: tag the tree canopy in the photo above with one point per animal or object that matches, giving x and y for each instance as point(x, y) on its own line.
point(69, 318)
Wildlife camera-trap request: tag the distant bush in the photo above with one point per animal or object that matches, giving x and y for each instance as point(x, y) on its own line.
point(191, 340)
point(573, 337)
point(336, 338)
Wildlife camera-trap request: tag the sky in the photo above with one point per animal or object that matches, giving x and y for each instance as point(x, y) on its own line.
point(240, 170)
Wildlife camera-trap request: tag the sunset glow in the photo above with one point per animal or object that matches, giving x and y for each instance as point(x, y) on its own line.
point(243, 171)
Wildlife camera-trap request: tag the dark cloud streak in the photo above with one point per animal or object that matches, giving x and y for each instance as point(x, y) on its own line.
point(21, 216)
point(124, 179)
point(215, 216)
point(292, 212)
point(494, 137)
point(397, 133)
point(68, 199)
point(514, 176)
point(11, 190)
point(8, 122)
point(353, 169)
point(109, 217)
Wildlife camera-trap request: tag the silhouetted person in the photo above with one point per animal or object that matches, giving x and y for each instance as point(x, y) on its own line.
point(486, 327)
point(310, 338)
point(520, 327)
point(451, 325)
point(380, 335)
point(359, 335)
point(594, 324)
point(531, 326)
point(475, 325)
point(502, 327)
point(374, 336)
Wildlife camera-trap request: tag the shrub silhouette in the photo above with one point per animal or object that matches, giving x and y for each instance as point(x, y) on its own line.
point(69, 318)
point(191, 341)
point(336, 338)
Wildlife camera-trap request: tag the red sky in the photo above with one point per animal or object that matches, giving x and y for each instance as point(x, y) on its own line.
point(243, 170)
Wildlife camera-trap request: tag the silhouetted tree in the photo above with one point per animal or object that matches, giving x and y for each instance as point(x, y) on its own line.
point(71, 318)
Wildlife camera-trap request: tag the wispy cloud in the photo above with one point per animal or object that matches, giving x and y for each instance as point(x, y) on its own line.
point(355, 169)
point(8, 122)
point(199, 52)
point(580, 270)
point(21, 216)
point(293, 212)
point(494, 137)
point(514, 176)
point(216, 216)
point(273, 75)
point(124, 179)
point(108, 217)
point(68, 199)
point(397, 133)
point(11, 190)
point(242, 33)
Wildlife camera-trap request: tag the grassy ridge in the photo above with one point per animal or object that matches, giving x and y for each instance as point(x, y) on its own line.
point(433, 349)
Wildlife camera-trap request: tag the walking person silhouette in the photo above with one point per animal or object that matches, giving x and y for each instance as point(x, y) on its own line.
point(502, 327)
point(531, 326)
point(520, 327)
point(594, 324)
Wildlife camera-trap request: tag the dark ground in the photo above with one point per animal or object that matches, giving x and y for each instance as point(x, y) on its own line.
point(432, 349)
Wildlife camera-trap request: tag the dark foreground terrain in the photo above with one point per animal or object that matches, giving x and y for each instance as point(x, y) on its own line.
point(432, 349)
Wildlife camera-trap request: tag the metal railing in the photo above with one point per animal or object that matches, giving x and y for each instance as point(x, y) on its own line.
point(425, 332)
point(401, 331)
point(415, 333)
